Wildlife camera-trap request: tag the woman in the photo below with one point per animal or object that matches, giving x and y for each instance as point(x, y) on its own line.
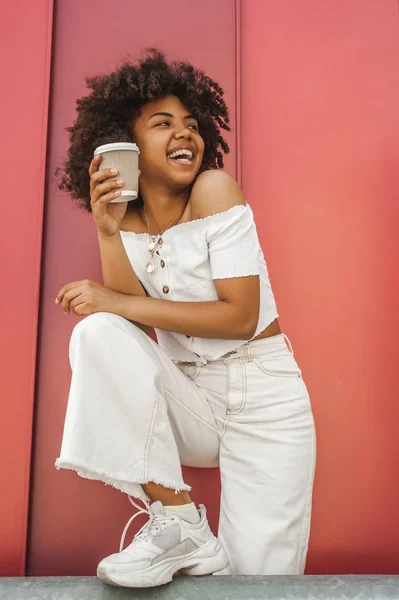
point(221, 387)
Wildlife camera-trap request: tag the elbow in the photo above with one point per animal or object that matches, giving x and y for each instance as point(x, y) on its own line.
point(243, 323)
point(248, 330)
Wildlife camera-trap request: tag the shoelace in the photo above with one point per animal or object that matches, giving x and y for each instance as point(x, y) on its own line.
point(147, 526)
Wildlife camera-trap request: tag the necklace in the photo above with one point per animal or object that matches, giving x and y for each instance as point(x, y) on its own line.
point(156, 240)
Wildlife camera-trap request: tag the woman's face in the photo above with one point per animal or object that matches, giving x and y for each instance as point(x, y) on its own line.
point(159, 136)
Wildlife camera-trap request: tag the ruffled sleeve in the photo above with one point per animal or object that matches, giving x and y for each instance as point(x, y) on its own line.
point(233, 243)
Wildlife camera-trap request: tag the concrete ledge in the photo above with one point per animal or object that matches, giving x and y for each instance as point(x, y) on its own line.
point(276, 587)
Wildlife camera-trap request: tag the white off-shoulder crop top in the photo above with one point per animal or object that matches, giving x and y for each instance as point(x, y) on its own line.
point(191, 256)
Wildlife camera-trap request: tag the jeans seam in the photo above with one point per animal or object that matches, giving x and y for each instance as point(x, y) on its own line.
point(244, 391)
point(225, 423)
point(215, 429)
point(149, 438)
point(307, 517)
point(298, 374)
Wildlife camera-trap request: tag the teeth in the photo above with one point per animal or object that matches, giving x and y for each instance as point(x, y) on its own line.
point(183, 152)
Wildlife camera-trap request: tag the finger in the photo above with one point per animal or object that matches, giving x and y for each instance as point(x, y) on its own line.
point(105, 199)
point(77, 301)
point(108, 187)
point(81, 308)
point(66, 288)
point(102, 175)
point(101, 189)
point(70, 296)
point(94, 165)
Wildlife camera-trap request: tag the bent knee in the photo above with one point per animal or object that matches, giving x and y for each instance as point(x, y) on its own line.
point(93, 326)
point(92, 323)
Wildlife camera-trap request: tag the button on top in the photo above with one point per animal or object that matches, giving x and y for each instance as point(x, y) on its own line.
point(188, 336)
point(160, 242)
point(165, 289)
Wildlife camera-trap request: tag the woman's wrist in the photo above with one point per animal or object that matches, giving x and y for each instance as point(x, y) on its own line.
point(121, 304)
point(108, 238)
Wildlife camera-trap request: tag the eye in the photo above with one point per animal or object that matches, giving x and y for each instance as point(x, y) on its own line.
point(167, 123)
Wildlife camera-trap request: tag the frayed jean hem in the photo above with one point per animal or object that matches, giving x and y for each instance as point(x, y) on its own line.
point(132, 488)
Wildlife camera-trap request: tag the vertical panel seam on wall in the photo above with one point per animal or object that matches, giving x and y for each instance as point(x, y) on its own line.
point(238, 88)
point(38, 250)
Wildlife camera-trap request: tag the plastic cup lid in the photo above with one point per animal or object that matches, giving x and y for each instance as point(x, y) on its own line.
point(116, 146)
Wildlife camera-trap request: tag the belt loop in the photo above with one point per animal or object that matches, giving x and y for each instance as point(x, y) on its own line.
point(289, 344)
point(248, 353)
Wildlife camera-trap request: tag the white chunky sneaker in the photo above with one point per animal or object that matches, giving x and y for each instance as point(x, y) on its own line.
point(164, 545)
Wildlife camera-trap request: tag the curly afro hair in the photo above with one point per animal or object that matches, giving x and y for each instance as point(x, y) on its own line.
point(109, 112)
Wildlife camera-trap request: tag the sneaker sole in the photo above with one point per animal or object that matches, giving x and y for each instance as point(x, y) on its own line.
point(206, 560)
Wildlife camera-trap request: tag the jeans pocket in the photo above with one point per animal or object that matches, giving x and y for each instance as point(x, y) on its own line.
point(282, 365)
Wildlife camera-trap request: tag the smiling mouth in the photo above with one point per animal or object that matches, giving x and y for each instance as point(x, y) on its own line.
point(183, 157)
point(182, 161)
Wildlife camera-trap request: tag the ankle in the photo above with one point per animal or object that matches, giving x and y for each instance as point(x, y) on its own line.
point(167, 496)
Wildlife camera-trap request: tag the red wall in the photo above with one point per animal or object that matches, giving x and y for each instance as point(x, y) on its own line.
point(318, 156)
point(320, 139)
point(25, 46)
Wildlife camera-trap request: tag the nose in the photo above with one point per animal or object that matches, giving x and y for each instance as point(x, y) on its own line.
point(185, 132)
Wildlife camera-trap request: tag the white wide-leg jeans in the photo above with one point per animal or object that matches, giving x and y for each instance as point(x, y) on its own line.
point(135, 416)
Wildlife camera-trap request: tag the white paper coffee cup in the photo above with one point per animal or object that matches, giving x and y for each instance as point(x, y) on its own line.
point(123, 156)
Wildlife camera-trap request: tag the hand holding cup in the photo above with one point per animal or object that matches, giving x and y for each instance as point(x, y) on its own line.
point(106, 197)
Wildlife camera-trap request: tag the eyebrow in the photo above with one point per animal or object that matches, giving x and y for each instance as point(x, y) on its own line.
point(165, 114)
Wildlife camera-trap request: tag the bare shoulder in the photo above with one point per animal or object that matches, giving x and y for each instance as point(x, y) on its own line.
point(213, 192)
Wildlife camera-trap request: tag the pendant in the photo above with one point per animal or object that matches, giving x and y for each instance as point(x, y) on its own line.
point(150, 267)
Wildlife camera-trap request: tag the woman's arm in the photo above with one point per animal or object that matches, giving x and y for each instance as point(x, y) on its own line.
point(233, 316)
point(118, 273)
